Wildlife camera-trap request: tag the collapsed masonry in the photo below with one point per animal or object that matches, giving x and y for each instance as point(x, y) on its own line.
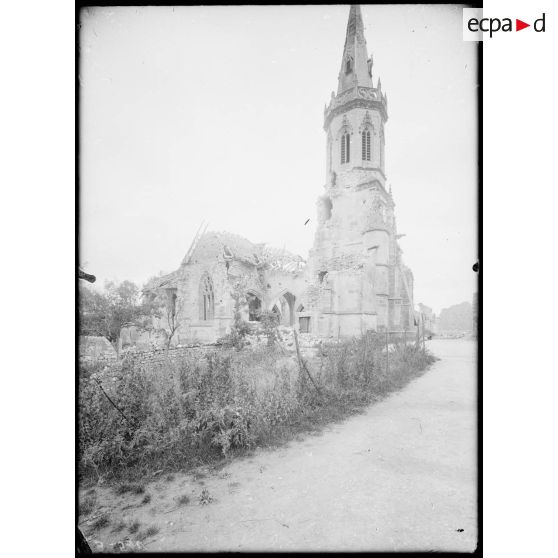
point(354, 280)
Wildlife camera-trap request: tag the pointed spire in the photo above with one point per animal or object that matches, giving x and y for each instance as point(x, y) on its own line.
point(355, 69)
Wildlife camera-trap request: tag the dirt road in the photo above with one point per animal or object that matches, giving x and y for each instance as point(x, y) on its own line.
point(402, 476)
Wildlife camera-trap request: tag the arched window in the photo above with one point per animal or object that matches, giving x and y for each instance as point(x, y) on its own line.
point(348, 65)
point(366, 145)
point(207, 299)
point(345, 148)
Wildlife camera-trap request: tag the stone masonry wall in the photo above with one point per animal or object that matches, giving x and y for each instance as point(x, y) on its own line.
point(156, 357)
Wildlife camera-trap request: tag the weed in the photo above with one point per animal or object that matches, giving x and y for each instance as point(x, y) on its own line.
point(133, 527)
point(87, 504)
point(120, 526)
point(146, 499)
point(133, 488)
point(149, 532)
point(101, 522)
point(205, 498)
point(169, 478)
point(183, 500)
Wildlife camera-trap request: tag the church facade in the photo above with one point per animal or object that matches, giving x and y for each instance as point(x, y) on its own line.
point(354, 279)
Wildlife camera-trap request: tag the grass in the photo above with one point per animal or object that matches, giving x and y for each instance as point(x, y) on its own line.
point(120, 526)
point(204, 412)
point(134, 488)
point(87, 504)
point(146, 499)
point(134, 527)
point(183, 500)
point(149, 532)
point(101, 522)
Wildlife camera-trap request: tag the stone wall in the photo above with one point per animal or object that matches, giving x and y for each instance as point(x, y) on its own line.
point(174, 354)
point(153, 357)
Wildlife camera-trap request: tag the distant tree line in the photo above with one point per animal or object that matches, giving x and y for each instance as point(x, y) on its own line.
point(458, 317)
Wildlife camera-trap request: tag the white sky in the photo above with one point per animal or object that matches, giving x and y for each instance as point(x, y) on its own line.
point(216, 114)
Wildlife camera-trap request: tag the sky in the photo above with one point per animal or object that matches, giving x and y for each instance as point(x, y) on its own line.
point(215, 114)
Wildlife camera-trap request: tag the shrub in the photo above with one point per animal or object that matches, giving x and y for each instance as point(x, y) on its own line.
point(269, 321)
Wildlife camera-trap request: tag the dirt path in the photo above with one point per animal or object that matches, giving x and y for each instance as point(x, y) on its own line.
point(402, 476)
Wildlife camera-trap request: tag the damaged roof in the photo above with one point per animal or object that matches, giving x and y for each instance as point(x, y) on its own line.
point(168, 281)
point(279, 259)
point(236, 247)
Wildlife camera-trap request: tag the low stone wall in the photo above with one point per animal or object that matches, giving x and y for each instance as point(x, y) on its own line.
point(162, 356)
point(153, 358)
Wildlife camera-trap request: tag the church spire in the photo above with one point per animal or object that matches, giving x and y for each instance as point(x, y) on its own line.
point(356, 68)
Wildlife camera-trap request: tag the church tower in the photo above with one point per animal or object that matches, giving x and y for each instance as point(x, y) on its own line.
point(357, 280)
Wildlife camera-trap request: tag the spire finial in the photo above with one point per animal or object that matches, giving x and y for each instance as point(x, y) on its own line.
point(355, 66)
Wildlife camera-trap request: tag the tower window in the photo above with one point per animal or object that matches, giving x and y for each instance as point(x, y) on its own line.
point(366, 145)
point(348, 65)
point(345, 148)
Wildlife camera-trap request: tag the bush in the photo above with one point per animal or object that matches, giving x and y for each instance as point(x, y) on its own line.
point(203, 410)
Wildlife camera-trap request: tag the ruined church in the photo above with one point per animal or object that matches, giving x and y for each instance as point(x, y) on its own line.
point(354, 279)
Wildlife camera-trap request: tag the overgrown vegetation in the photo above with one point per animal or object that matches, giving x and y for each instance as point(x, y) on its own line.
point(106, 313)
point(240, 327)
point(200, 411)
point(269, 321)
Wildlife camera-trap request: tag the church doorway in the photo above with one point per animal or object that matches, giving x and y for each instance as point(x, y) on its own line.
point(254, 307)
point(287, 305)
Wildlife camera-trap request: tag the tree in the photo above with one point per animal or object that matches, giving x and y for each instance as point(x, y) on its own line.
point(270, 322)
point(240, 328)
point(164, 305)
point(107, 313)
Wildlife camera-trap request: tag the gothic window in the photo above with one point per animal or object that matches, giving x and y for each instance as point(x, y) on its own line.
point(345, 148)
point(366, 145)
point(348, 65)
point(207, 299)
point(367, 137)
